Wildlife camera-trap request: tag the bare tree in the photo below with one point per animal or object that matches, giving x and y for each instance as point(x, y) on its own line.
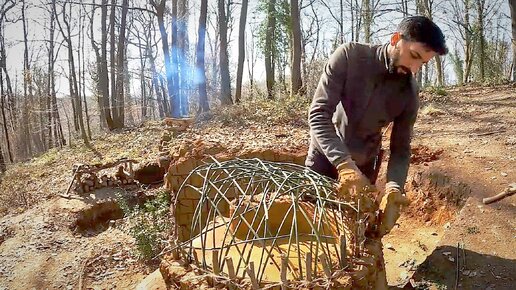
point(182, 49)
point(54, 118)
point(251, 57)
point(82, 72)
point(159, 8)
point(269, 48)
point(241, 49)
point(112, 64)
point(480, 5)
point(199, 63)
point(120, 61)
point(225, 80)
point(296, 82)
point(6, 6)
point(104, 77)
point(74, 90)
point(340, 17)
point(512, 5)
point(426, 7)
point(27, 89)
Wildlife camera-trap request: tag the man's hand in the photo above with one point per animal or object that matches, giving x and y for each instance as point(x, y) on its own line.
point(390, 207)
point(350, 176)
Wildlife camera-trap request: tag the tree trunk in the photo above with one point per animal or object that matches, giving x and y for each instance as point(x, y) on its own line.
point(341, 23)
point(3, 67)
point(112, 66)
point(251, 61)
point(199, 62)
point(3, 92)
point(269, 51)
point(27, 88)
point(225, 80)
point(241, 50)
point(174, 60)
point(165, 105)
point(74, 91)
point(86, 112)
point(368, 19)
point(143, 86)
point(127, 98)
point(182, 48)
point(296, 82)
point(98, 69)
point(512, 4)
point(104, 78)
point(50, 81)
point(172, 95)
point(468, 45)
point(358, 18)
point(480, 19)
point(440, 74)
point(159, 97)
point(120, 103)
point(2, 161)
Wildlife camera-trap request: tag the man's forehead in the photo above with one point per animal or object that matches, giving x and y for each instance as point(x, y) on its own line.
point(419, 46)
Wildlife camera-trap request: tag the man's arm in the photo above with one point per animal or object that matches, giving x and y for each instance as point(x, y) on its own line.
point(400, 144)
point(326, 98)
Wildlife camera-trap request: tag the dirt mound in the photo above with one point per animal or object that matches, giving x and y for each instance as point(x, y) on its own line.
point(5, 233)
point(435, 197)
point(422, 154)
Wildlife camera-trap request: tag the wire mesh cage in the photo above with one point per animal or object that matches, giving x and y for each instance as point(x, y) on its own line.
point(268, 222)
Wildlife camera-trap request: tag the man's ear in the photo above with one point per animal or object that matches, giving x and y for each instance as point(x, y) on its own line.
point(395, 37)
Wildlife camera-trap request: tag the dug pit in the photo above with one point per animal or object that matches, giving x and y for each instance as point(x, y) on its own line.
point(94, 214)
point(435, 197)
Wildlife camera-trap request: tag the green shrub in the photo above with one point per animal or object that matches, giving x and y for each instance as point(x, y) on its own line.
point(149, 224)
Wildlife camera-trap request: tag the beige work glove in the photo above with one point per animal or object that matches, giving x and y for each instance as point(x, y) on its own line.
point(390, 207)
point(350, 176)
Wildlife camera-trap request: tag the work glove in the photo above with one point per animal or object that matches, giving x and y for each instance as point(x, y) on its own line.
point(390, 207)
point(350, 176)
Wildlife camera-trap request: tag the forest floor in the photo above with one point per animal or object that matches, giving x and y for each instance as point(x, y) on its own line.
point(443, 241)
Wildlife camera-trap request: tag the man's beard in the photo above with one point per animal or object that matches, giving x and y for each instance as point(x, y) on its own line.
point(394, 68)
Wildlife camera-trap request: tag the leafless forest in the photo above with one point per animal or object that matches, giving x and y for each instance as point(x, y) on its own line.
point(72, 69)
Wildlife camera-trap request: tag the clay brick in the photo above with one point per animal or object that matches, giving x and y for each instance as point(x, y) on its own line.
point(189, 193)
point(283, 157)
point(176, 183)
point(173, 169)
point(183, 233)
point(196, 180)
point(186, 207)
point(186, 166)
point(300, 159)
point(268, 155)
point(184, 219)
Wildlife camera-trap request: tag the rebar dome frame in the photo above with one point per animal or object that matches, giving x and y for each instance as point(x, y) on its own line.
point(255, 185)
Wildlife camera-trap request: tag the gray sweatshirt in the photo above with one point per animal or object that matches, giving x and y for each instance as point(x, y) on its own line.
point(356, 97)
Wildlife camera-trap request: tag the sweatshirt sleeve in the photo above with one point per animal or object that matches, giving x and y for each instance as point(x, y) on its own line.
point(327, 96)
point(400, 143)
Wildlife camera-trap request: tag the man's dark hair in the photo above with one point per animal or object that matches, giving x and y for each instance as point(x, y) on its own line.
point(421, 29)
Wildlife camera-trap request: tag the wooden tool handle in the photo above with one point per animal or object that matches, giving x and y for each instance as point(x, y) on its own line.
point(510, 190)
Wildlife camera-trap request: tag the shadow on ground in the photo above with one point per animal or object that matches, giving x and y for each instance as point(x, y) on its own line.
point(449, 268)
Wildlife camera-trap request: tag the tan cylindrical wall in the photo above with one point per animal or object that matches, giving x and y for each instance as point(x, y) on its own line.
point(187, 200)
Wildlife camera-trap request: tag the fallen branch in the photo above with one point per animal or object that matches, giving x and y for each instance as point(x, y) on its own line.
point(489, 133)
